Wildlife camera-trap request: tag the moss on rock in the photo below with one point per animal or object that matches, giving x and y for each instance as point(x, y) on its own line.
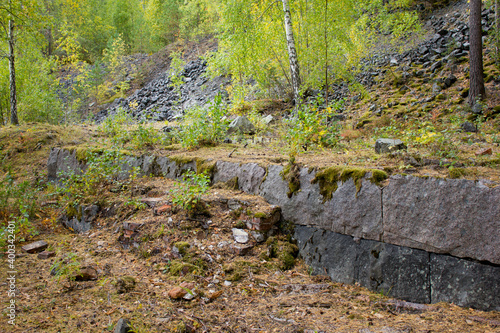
point(291, 174)
point(328, 179)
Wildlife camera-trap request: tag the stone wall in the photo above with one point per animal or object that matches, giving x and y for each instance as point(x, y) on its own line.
point(420, 239)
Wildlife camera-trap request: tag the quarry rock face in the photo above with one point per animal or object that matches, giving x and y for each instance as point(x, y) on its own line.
point(455, 216)
point(421, 239)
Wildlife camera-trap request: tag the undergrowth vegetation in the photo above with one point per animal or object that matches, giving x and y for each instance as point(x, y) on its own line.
point(187, 193)
point(18, 204)
point(204, 127)
point(102, 169)
point(312, 125)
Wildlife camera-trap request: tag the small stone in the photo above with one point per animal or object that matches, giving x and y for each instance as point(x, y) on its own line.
point(394, 62)
point(258, 236)
point(227, 283)
point(123, 326)
point(131, 226)
point(477, 108)
point(468, 127)
point(233, 204)
point(151, 202)
point(46, 254)
point(240, 236)
point(125, 284)
point(450, 80)
point(86, 274)
point(436, 66)
point(215, 295)
point(388, 145)
point(268, 119)
point(241, 250)
point(35, 247)
point(436, 88)
point(486, 151)
point(176, 293)
point(162, 209)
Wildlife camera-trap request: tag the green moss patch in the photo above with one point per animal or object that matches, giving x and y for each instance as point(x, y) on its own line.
point(284, 251)
point(291, 174)
point(328, 179)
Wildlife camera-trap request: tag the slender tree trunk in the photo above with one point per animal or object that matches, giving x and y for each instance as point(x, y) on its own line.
point(476, 81)
point(326, 53)
point(12, 76)
point(292, 53)
point(497, 32)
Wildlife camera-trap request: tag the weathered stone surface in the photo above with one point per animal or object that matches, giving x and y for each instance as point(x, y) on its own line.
point(454, 216)
point(348, 212)
point(88, 215)
point(241, 125)
point(465, 283)
point(62, 161)
point(396, 271)
point(128, 164)
point(225, 171)
point(172, 169)
point(86, 274)
point(249, 175)
point(123, 326)
point(46, 254)
point(35, 247)
point(388, 145)
point(240, 236)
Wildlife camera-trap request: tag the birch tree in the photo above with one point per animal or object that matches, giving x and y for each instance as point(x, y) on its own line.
point(292, 52)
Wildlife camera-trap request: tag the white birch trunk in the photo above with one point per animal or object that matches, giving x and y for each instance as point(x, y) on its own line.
point(292, 53)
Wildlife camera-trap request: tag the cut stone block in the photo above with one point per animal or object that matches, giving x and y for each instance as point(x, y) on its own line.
point(35, 247)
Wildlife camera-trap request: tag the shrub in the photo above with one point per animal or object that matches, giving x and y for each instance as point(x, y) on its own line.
point(102, 169)
point(187, 194)
point(310, 125)
point(204, 127)
point(18, 205)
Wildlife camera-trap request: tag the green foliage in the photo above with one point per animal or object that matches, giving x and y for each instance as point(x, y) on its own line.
point(67, 267)
point(204, 126)
point(329, 36)
point(121, 128)
point(18, 205)
point(187, 193)
point(310, 125)
point(103, 168)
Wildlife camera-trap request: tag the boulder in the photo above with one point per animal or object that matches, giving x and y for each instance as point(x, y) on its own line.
point(388, 145)
point(241, 125)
